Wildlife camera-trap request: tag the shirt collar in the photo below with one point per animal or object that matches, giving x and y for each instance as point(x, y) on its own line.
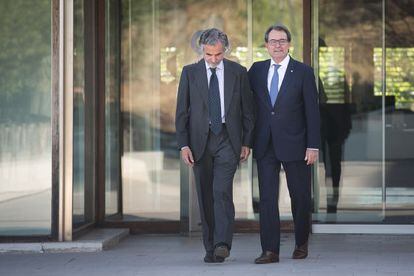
point(220, 66)
point(284, 62)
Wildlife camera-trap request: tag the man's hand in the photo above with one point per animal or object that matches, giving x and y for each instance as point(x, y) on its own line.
point(311, 156)
point(187, 156)
point(245, 152)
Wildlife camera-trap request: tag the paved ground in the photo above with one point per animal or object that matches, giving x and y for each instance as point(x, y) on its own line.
point(152, 255)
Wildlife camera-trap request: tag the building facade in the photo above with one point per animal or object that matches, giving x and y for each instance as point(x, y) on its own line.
point(88, 93)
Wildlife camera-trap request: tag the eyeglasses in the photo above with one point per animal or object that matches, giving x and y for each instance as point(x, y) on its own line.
point(281, 42)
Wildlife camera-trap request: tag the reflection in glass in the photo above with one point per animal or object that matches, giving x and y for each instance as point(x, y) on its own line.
point(264, 14)
point(149, 162)
point(112, 108)
point(399, 111)
point(351, 113)
point(79, 114)
point(335, 115)
point(155, 43)
point(25, 118)
point(382, 120)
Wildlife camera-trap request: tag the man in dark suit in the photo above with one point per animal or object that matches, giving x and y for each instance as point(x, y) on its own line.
point(214, 123)
point(286, 133)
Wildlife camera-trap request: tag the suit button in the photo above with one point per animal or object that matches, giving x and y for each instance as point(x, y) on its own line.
point(273, 113)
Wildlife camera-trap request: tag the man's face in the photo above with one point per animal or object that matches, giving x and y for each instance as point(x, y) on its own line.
point(213, 54)
point(277, 45)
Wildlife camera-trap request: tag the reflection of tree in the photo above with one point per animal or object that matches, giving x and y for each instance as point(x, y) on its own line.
point(156, 45)
point(24, 59)
point(266, 13)
point(399, 75)
point(357, 28)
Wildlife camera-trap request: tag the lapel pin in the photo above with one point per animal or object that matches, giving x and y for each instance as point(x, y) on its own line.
point(291, 71)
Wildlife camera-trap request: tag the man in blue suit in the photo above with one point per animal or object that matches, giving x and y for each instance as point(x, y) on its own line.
point(286, 133)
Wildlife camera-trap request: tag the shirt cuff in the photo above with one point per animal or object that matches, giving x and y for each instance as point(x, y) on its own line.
point(312, 149)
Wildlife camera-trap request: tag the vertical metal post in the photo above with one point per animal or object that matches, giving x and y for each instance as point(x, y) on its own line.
point(249, 206)
point(66, 120)
point(154, 136)
point(313, 7)
point(249, 32)
point(384, 88)
point(55, 95)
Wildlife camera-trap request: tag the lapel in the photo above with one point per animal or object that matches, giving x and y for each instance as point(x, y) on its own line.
point(262, 80)
point(201, 81)
point(287, 80)
point(229, 79)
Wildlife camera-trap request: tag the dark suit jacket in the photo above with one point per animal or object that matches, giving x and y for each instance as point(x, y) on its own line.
point(192, 114)
point(293, 123)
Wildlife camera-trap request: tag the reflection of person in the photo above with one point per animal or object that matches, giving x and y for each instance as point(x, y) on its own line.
point(287, 133)
point(214, 122)
point(335, 127)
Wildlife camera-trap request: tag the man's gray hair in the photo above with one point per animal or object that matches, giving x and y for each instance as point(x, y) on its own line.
point(212, 37)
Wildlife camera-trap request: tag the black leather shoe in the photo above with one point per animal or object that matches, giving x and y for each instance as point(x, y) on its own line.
point(210, 258)
point(221, 251)
point(267, 257)
point(300, 252)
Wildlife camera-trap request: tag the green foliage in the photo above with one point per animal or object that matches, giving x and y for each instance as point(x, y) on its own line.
point(25, 49)
point(399, 75)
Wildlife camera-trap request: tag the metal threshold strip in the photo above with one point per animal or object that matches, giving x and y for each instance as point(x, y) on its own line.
point(396, 229)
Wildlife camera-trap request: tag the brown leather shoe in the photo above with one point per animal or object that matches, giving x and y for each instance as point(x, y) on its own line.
point(300, 252)
point(267, 257)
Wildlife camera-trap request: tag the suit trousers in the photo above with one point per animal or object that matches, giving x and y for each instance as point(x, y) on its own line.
point(214, 174)
point(298, 176)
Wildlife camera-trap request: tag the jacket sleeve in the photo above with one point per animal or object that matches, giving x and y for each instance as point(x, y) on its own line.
point(248, 109)
point(183, 111)
point(310, 96)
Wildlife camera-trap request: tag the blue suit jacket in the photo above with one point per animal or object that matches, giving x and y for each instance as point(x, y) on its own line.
point(293, 123)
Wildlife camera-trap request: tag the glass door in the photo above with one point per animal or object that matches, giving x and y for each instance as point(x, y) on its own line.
point(399, 111)
point(351, 155)
point(84, 115)
point(26, 116)
point(364, 64)
point(147, 44)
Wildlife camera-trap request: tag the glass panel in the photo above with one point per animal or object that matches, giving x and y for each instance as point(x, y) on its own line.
point(266, 13)
point(25, 118)
point(350, 177)
point(150, 164)
point(157, 40)
point(399, 112)
point(287, 12)
point(79, 114)
point(112, 107)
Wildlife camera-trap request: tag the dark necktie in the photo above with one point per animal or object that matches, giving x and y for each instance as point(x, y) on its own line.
point(214, 103)
point(274, 85)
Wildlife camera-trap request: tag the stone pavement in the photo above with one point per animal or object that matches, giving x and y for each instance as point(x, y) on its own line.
point(167, 255)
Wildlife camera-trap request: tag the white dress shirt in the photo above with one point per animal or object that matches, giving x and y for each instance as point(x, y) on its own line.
point(281, 71)
point(220, 77)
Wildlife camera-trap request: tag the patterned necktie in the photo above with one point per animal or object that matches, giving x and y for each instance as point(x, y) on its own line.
point(214, 103)
point(274, 85)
